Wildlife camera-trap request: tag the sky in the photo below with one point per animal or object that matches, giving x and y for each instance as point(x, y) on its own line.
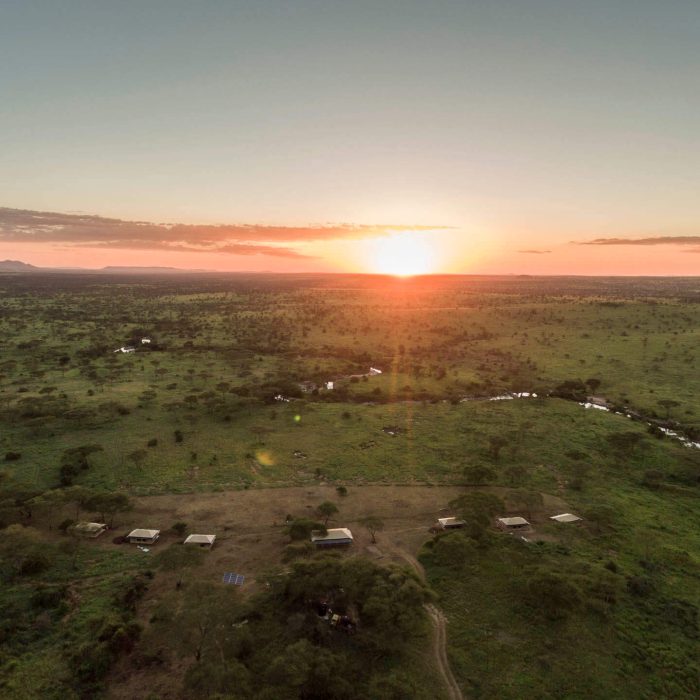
point(479, 137)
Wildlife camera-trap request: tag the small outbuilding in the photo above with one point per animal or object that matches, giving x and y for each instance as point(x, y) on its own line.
point(566, 518)
point(201, 540)
point(451, 523)
point(337, 537)
point(141, 536)
point(89, 529)
point(515, 523)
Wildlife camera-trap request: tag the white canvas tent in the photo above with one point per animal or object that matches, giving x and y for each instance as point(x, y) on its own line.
point(450, 523)
point(201, 540)
point(566, 518)
point(514, 523)
point(141, 536)
point(333, 538)
point(89, 529)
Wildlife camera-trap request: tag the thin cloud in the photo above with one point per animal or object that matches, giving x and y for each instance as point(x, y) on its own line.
point(89, 231)
point(655, 240)
point(535, 252)
point(230, 249)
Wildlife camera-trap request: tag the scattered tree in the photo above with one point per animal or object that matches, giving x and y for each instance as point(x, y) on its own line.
point(325, 510)
point(373, 524)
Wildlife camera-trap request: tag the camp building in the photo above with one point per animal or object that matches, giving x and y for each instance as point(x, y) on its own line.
point(140, 536)
point(451, 523)
point(89, 529)
point(337, 537)
point(201, 540)
point(515, 523)
point(566, 518)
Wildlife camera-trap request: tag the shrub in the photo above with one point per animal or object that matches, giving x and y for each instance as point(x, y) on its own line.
point(454, 550)
point(301, 528)
point(297, 550)
point(640, 586)
point(65, 524)
point(46, 597)
point(34, 563)
point(552, 594)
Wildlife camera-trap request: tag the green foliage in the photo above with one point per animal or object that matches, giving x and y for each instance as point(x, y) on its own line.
point(478, 474)
point(108, 504)
point(325, 510)
point(552, 594)
point(179, 528)
point(454, 550)
point(302, 528)
point(373, 524)
point(178, 557)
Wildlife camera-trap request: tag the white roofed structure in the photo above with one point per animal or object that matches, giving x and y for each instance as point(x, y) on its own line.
point(514, 523)
point(566, 518)
point(451, 523)
point(333, 538)
point(201, 540)
point(142, 536)
point(89, 529)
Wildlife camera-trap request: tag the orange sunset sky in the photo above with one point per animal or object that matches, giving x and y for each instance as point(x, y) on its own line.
point(398, 137)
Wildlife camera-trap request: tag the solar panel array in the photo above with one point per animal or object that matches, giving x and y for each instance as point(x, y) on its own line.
point(235, 579)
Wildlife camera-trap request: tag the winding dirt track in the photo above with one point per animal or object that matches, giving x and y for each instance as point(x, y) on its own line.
point(440, 638)
point(440, 648)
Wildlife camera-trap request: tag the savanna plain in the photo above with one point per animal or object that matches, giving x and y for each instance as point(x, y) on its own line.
point(261, 408)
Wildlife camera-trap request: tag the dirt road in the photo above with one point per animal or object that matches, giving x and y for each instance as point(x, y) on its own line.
point(440, 651)
point(440, 638)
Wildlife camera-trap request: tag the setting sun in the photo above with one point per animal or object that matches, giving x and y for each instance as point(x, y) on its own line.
point(403, 255)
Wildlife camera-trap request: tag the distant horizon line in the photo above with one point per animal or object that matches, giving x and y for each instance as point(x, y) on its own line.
point(29, 268)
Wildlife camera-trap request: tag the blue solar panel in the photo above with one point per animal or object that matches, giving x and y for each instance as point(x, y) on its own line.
point(235, 579)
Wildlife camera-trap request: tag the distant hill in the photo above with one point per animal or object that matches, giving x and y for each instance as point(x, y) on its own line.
point(19, 266)
point(16, 266)
point(146, 270)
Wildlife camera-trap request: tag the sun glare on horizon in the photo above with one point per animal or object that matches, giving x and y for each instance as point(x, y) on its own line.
point(402, 255)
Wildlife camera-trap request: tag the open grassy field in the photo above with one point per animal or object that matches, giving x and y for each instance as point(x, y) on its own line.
point(223, 421)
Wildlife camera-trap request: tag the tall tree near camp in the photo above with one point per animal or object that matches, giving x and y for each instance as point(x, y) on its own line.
point(108, 504)
point(478, 474)
point(301, 528)
point(529, 501)
point(326, 510)
point(205, 618)
point(79, 496)
point(373, 524)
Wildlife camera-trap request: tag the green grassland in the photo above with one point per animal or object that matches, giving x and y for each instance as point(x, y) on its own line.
point(195, 411)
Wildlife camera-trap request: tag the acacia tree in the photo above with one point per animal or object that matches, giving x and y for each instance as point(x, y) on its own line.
point(477, 474)
point(204, 618)
point(326, 510)
point(301, 528)
point(528, 500)
point(373, 524)
point(109, 504)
